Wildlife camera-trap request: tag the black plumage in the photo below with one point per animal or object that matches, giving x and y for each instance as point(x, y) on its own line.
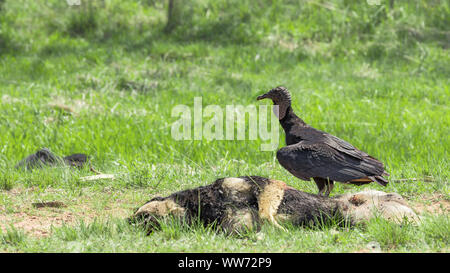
point(44, 157)
point(311, 153)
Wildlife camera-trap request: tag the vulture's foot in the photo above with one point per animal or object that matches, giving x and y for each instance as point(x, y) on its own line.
point(325, 186)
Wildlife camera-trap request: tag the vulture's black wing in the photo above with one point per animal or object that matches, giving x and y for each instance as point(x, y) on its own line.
point(311, 134)
point(308, 159)
point(344, 147)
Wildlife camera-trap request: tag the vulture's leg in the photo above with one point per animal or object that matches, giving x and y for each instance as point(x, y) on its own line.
point(329, 186)
point(321, 184)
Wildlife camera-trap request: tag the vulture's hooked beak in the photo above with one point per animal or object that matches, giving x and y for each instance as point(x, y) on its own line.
point(265, 96)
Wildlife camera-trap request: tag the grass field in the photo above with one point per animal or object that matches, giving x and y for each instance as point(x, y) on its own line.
point(102, 78)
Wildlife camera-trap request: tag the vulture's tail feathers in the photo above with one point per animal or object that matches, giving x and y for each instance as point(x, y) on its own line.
point(379, 179)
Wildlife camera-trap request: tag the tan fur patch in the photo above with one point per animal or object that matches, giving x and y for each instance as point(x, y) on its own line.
point(236, 184)
point(270, 199)
point(364, 205)
point(162, 208)
point(237, 189)
point(237, 220)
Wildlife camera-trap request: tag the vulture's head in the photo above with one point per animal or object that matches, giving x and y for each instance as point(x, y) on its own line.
point(280, 96)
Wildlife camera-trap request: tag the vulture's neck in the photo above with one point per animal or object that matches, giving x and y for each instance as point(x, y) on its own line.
point(292, 126)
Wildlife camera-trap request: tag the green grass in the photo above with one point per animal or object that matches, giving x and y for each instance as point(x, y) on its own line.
point(375, 77)
point(116, 235)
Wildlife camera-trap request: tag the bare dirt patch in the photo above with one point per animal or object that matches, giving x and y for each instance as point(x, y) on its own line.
point(38, 222)
point(38, 218)
point(36, 225)
point(432, 204)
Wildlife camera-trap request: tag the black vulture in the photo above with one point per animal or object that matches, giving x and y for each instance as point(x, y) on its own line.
point(311, 153)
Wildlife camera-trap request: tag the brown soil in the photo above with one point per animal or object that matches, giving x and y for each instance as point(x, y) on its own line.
point(431, 204)
point(37, 218)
